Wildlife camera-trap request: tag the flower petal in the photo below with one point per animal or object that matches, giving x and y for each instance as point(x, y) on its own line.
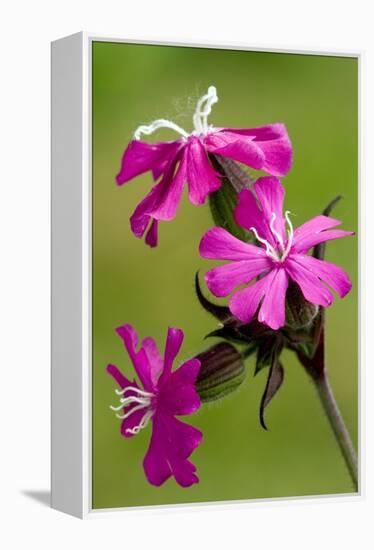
point(313, 290)
point(178, 396)
point(156, 465)
point(219, 244)
point(270, 193)
point(120, 378)
point(202, 178)
point(139, 157)
point(171, 444)
point(222, 280)
point(275, 145)
point(314, 232)
point(161, 202)
point(248, 214)
point(151, 237)
point(166, 206)
point(272, 311)
point(173, 344)
point(139, 358)
point(154, 357)
point(330, 273)
point(236, 147)
point(141, 216)
point(244, 303)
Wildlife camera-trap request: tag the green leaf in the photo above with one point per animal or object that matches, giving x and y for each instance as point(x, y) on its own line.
point(320, 249)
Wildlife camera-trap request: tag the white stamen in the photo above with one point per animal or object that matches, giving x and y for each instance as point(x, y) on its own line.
point(269, 249)
point(142, 399)
point(155, 125)
point(129, 400)
point(290, 233)
point(131, 411)
point(134, 389)
point(200, 118)
point(275, 232)
point(142, 424)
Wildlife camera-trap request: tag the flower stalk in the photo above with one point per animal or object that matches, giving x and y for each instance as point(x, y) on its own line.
point(338, 426)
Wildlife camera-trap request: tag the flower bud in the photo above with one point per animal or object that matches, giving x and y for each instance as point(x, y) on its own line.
point(222, 371)
point(299, 312)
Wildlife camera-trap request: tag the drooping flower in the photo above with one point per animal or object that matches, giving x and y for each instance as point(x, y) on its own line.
point(162, 395)
point(281, 255)
point(185, 160)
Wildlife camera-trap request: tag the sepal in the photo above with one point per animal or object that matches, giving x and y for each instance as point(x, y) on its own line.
point(222, 371)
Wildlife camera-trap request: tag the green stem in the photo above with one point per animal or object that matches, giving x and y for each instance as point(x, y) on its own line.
point(337, 424)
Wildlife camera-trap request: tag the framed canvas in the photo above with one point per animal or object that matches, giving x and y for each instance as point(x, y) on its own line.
point(205, 274)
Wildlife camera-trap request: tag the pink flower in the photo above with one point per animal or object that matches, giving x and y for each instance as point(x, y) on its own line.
point(162, 396)
point(279, 257)
point(185, 160)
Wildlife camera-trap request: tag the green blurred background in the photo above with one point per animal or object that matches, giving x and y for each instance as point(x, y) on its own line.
point(316, 97)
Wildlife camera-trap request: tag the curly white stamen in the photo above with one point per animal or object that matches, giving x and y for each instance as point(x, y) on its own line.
point(155, 125)
point(290, 233)
point(275, 232)
point(122, 391)
point(142, 400)
point(270, 250)
point(142, 424)
point(200, 118)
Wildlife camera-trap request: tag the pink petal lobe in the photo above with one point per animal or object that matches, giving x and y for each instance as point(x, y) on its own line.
point(161, 203)
point(151, 238)
point(166, 207)
point(272, 311)
point(138, 358)
point(157, 468)
point(141, 216)
point(314, 231)
point(330, 273)
point(270, 193)
point(312, 288)
point(244, 303)
point(236, 147)
point(219, 244)
point(222, 280)
point(140, 157)
point(121, 379)
point(173, 344)
point(155, 359)
point(275, 146)
point(171, 444)
point(202, 178)
point(248, 215)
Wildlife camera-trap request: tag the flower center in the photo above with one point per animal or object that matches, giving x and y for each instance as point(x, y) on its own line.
point(279, 253)
point(200, 118)
point(142, 399)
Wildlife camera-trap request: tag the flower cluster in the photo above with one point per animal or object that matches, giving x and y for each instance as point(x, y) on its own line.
point(276, 275)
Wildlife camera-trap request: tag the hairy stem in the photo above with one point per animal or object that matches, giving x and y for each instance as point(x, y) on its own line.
point(337, 424)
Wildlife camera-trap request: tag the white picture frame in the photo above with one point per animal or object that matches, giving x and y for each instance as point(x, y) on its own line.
point(71, 270)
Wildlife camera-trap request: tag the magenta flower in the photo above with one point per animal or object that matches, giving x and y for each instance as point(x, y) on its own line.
point(279, 257)
point(163, 396)
point(185, 160)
